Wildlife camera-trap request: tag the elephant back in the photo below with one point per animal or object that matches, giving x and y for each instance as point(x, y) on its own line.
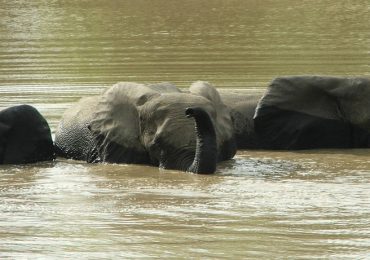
point(72, 137)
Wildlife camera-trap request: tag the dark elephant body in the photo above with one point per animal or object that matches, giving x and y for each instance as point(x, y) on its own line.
point(147, 124)
point(306, 112)
point(24, 136)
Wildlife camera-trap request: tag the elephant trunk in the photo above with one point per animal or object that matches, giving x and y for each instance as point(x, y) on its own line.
point(205, 158)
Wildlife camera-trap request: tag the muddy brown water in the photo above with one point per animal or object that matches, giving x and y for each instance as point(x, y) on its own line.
point(260, 205)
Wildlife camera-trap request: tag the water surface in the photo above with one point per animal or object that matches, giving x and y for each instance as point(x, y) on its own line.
point(260, 205)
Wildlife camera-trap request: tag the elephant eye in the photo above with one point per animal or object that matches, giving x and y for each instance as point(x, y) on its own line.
point(158, 140)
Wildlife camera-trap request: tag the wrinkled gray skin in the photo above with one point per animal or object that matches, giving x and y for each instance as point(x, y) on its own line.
point(149, 124)
point(305, 112)
point(24, 136)
point(242, 105)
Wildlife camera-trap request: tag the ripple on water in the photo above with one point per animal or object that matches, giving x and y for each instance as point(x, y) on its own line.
point(261, 205)
point(57, 209)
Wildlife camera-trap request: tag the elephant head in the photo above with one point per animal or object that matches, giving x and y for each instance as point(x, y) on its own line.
point(155, 124)
point(24, 136)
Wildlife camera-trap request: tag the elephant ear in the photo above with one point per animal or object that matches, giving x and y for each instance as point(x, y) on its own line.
point(116, 124)
point(222, 118)
point(353, 95)
point(314, 112)
point(206, 90)
point(302, 94)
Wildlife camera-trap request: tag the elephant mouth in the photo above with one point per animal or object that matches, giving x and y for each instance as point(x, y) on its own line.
point(182, 162)
point(189, 112)
point(196, 112)
point(198, 155)
point(168, 156)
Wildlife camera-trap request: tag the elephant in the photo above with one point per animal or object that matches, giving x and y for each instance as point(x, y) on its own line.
point(308, 112)
point(155, 124)
point(25, 136)
point(242, 105)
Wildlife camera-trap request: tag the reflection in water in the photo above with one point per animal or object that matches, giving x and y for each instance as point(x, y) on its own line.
point(261, 205)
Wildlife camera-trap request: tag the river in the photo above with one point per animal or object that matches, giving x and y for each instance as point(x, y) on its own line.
point(260, 205)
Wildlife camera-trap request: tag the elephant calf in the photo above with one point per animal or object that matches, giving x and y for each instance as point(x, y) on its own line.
point(149, 124)
point(24, 136)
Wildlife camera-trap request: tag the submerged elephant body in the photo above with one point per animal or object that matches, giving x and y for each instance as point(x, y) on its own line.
point(302, 112)
point(149, 124)
point(24, 136)
point(306, 112)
